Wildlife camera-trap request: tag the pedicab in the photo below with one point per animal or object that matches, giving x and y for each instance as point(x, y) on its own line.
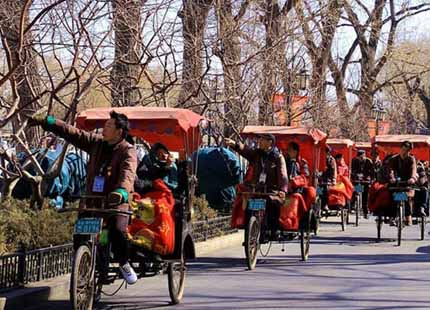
point(298, 214)
point(160, 231)
point(339, 194)
point(384, 197)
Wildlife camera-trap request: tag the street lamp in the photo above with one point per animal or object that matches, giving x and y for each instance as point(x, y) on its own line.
point(378, 114)
point(301, 80)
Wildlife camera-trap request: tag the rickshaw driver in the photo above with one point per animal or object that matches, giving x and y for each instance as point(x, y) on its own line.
point(403, 166)
point(269, 173)
point(329, 177)
point(111, 172)
point(362, 168)
point(296, 166)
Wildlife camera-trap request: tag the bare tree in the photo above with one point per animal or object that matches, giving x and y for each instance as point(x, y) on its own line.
point(21, 58)
point(375, 48)
point(126, 70)
point(193, 14)
point(229, 52)
point(324, 19)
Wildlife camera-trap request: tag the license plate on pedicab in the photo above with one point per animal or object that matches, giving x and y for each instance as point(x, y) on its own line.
point(88, 226)
point(401, 196)
point(358, 188)
point(256, 204)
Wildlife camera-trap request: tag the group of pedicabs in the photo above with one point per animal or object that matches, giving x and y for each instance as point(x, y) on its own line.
point(135, 219)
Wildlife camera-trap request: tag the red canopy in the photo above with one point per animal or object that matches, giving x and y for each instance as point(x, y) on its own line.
point(342, 146)
point(312, 142)
point(390, 144)
point(178, 129)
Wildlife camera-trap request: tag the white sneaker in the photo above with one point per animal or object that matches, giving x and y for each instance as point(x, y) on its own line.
point(128, 273)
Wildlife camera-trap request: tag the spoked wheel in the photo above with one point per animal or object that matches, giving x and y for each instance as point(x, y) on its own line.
point(176, 278)
point(305, 237)
point(348, 213)
point(81, 282)
point(400, 220)
point(357, 209)
point(379, 227)
point(252, 236)
point(343, 216)
point(423, 227)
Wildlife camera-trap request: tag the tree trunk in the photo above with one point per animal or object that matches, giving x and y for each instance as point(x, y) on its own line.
point(273, 57)
point(229, 53)
point(26, 80)
point(194, 15)
point(126, 67)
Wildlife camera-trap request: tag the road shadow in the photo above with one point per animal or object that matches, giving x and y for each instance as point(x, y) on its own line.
point(129, 305)
point(348, 240)
point(217, 263)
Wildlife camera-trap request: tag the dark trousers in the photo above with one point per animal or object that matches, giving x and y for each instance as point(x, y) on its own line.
point(117, 235)
point(272, 214)
point(117, 228)
point(324, 196)
point(364, 199)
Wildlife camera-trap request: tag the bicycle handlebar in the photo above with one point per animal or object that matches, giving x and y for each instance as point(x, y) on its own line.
point(95, 210)
point(258, 193)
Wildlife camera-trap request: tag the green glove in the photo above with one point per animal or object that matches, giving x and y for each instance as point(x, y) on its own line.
point(117, 197)
point(40, 119)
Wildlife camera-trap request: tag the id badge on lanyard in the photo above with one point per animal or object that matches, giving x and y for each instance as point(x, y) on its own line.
point(99, 181)
point(263, 175)
point(99, 184)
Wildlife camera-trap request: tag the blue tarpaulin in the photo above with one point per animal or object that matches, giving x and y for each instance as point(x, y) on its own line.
point(218, 172)
point(68, 184)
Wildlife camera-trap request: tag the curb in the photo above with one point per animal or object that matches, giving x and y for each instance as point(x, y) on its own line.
point(39, 292)
point(35, 293)
point(218, 243)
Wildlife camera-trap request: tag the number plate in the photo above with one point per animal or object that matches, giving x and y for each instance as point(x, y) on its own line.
point(319, 191)
point(402, 196)
point(358, 188)
point(88, 226)
point(256, 204)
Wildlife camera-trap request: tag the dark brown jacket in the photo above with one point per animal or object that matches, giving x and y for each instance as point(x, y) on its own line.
point(362, 166)
point(119, 165)
point(403, 168)
point(272, 163)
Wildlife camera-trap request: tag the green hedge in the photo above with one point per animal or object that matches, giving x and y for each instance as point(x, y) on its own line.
point(20, 225)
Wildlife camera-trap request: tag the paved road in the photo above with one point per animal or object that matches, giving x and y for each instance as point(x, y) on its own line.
point(346, 270)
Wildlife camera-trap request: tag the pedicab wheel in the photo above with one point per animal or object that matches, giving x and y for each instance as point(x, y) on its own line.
point(81, 282)
point(423, 227)
point(379, 227)
point(176, 279)
point(252, 236)
point(357, 209)
point(399, 224)
point(349, 211)
point(343, 216)
point(305, 237)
